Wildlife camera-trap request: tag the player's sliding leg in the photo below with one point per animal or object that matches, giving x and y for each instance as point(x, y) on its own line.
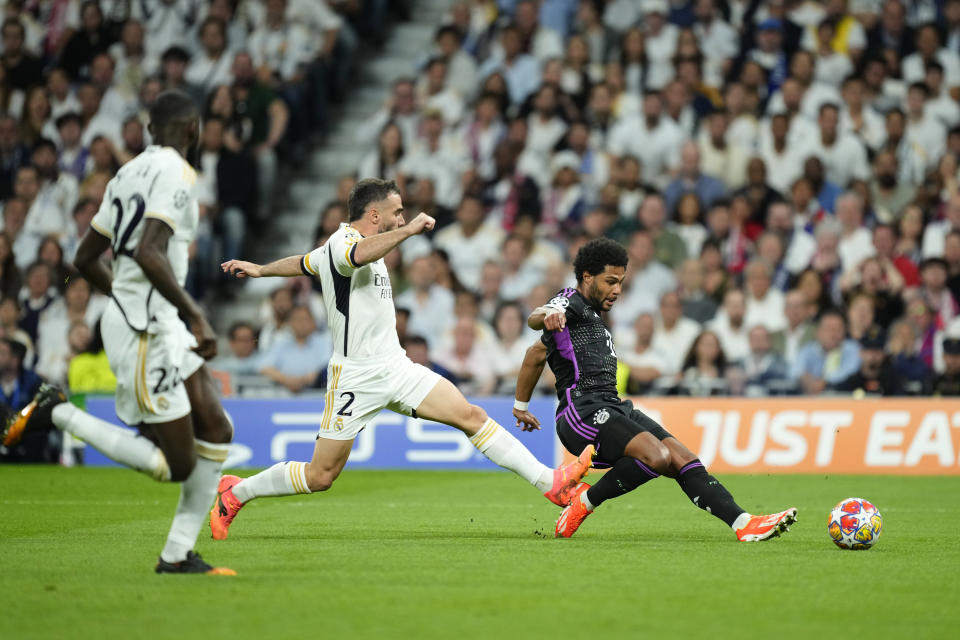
point(642, 454)
point(282, 479)
point(709, 494)
point(211, 435)
point(445, 404)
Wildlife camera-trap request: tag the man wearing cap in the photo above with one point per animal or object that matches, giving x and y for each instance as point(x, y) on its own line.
point(876, 375)
point(948, 382)
point(769, 52)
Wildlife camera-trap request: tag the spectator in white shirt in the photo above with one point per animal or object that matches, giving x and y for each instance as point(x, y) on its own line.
point(57, 195)
point(96, 123)
point(430, 305)
point(167, 23)
point(23, 244)
point(718, 156)
point(673, 334)
point(437, 156)
point(934, 236)
point(544, 42)
point(282, 46)
point(113, 102)
point(719, 41)
point(859, 118)
point(911, 158)
point(799, 245)
point(400, 108)
point(941, 104)
point(646, 363)
point(461, 67)
point(802, 95)
point(521, 274)
point(832, 66)
point(731, 327)
point(513, 338)
point(469, 242)
point(466, 358)
point(213, 65)
point(925, 134)
point(913, 66)
point(783, 161)
point(844, 156)
point(133, 63)
point(661, 43)
point(544, 126)
point(647, 280)
point(764, 302)
point(433, 92)
point(798, 331)
point(653, 138)
point(61, 95)
point(856, 242)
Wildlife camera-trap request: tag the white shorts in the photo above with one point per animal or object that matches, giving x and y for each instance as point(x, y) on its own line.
point(150, 367)
point(358, 391)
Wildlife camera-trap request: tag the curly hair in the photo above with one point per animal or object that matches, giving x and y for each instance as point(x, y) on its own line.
point(594, 257)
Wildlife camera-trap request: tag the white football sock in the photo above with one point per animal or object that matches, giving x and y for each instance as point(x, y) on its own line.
point(585, 500)
point(504, 449)
point(118, 444)
point(741, 521)
point(196, 495)
point(282, 479)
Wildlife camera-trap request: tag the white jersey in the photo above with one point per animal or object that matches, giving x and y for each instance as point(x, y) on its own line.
point(159, 184)
point(358, 299)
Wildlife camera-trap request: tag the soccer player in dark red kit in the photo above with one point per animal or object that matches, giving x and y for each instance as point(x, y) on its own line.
point(636, 449)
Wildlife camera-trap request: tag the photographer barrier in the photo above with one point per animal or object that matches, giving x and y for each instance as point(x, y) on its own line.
point(788, 435)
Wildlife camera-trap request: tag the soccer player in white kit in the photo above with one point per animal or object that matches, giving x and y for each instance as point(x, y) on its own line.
point(148, 218)
point(369, 370)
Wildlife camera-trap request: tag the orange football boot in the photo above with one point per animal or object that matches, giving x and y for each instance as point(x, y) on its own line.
point(565, 478)
point(573, 516)
point(765, 527)
point(225, 508)
point(37, 414)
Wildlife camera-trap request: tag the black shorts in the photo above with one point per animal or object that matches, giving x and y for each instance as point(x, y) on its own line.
point(606, 424)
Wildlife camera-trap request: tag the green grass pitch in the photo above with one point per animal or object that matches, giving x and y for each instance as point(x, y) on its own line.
point(471, 555)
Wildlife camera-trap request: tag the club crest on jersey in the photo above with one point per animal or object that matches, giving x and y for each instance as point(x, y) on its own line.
point(601, 416)
point(180, 199)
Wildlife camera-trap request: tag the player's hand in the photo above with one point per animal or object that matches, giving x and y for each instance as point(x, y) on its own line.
point(526, 420)
point(241, 269)
point(555, 321)
point(206, 338)
point(421, 223)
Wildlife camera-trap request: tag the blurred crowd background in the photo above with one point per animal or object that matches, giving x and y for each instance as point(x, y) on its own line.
point(783, 174)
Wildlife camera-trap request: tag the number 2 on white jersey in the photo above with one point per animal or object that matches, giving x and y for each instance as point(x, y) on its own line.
point(138, 205)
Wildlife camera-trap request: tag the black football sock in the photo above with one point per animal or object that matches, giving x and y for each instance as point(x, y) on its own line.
point(625, 476)
point(706, 492)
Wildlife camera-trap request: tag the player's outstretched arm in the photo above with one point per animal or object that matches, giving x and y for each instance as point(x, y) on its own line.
point(547, 318)
point(284, 267)
point(88, 263)
point(530, 372)
point(151, 256)
point(372, 248)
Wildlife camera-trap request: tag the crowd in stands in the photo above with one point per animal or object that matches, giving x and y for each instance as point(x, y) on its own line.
point(784, 175)
point(77, 79)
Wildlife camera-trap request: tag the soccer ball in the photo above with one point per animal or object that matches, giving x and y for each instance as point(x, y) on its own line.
point(855, 523)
